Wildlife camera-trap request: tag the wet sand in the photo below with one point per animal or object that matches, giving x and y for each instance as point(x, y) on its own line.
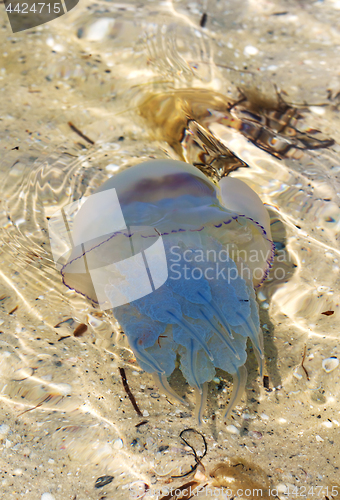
point(65, 418)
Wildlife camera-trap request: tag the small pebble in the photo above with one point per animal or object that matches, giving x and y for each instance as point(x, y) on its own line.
point(103, 481)
point(57, 47)
point(318, 438)
point(163, 448)
point(149, 442)
point(297, 375)
point(80, 330)
point(138, 489)
point(118, 444)
point(318, 110)
point(255, 434)
point(247, 416)
point(199, 476)
point(99, 29)
point(264, 416)
point(4, 430)
point(47, 496)
point(145, 413)
point(19, 221)
point(232, 429)
point(250, 50)
point(327, 424)
point(93, 321)
point(112, 168)
point(330, 364)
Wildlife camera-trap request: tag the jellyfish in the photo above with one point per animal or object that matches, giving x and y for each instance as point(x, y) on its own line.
point(177, 258)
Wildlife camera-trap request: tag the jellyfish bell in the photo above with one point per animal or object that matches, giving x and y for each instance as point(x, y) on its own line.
point(174, 255)
point(237, 196)
point(125, 212)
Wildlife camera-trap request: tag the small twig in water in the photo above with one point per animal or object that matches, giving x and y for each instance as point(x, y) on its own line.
point(65, 337)
point(303, 359)
point(143, 422)
point(128, 392)
point(80, 133)
point(203, 20)
point(45, 400)
point(163, 336)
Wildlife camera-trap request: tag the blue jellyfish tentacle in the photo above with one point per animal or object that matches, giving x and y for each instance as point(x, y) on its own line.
point(200, 389)
point(139, 326)
point(142, 333)
point(192, 362)
point(225, 297)
point(218, 313)
point(252, 334)
point(191, 331)
point(224, 358)
point(221, 335)
point(164, 350)
point(259, 353)
point(201, 399)
point(207, 316)
point(144, 356)
point(239, 383)
point(256, 339)
point(163, 383)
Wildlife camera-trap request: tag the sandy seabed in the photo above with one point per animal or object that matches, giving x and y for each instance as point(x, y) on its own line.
point(65, 418)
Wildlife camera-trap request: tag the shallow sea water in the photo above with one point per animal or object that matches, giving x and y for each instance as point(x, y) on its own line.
point(65, 419)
